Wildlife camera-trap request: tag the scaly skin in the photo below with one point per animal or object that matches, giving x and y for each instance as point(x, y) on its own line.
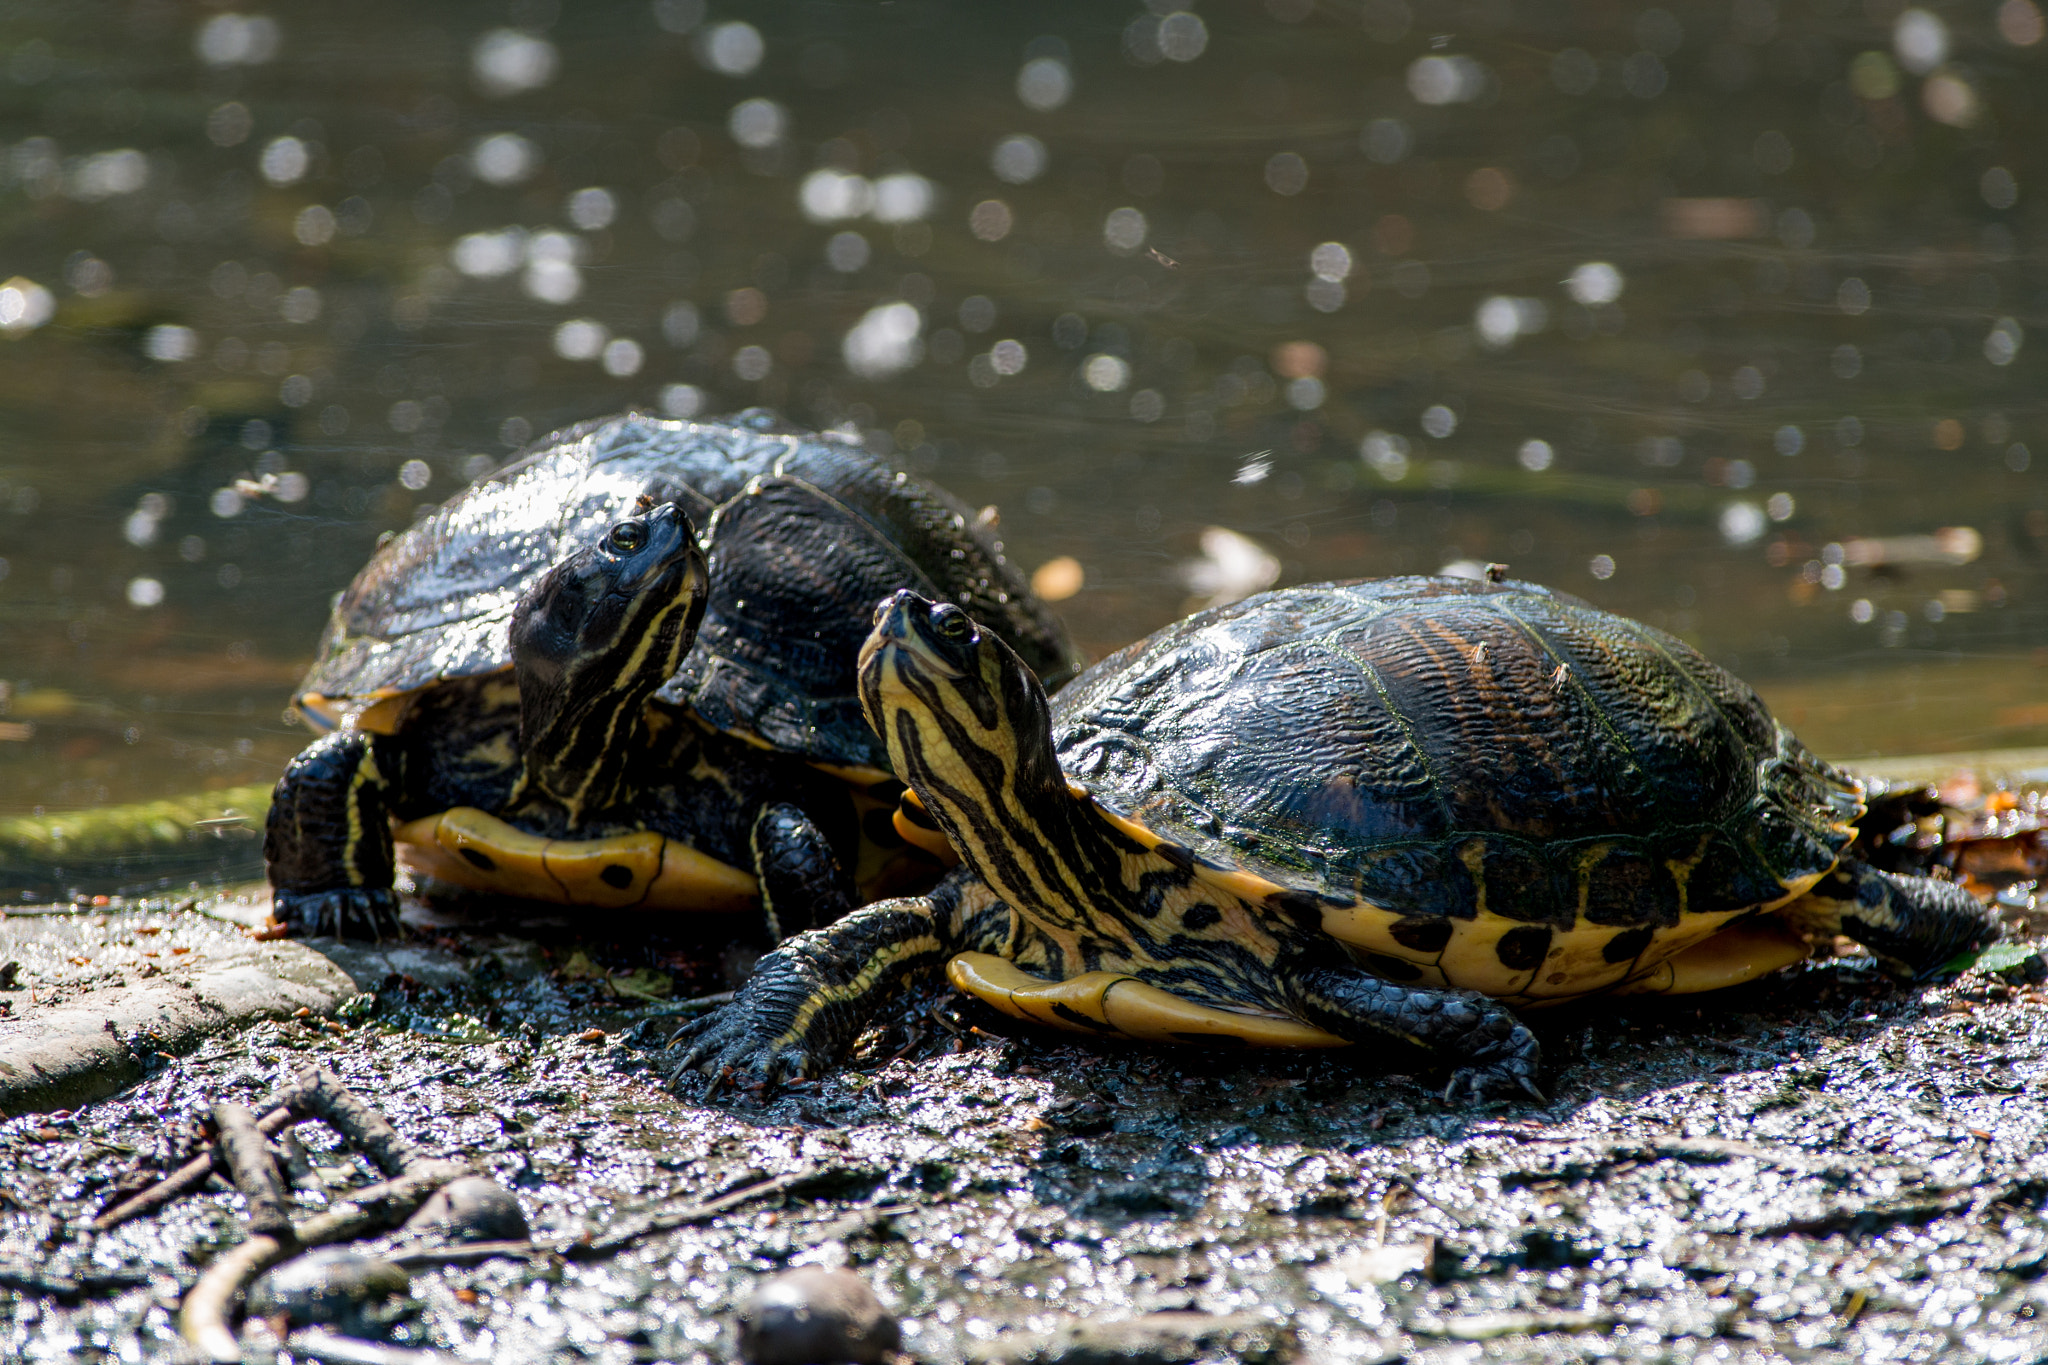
point(1497, 1056)
point(801, 883)
point(1914, 924)
point(328, 842)
point(812, 997)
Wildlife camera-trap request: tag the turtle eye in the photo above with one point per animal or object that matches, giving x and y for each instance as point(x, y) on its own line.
point(629, 536)
point(951, 623)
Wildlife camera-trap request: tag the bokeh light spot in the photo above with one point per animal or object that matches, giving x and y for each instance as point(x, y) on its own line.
point(1106, 373)
point(507, 61)
point(885, 341)
point(1594, 283)
point(1123, 231)
point(1019, 159)
point(733, 48)
point(1045, 83)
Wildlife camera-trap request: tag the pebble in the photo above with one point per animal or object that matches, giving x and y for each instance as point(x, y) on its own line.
point(812, 1316)
point(474, 1208)
point(331, 1288)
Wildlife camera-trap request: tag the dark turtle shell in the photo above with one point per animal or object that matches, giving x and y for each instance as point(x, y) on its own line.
point(805, 532)
point(1438, 750)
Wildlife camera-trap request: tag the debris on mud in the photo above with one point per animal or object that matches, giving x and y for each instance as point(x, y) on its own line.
point(1826, 1165)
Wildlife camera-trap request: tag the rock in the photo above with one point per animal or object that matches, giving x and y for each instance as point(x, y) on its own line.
point(96, 1022)
point(813, 1316)
point(342, 1289)
point(472, 1209)
point(1175, 1338)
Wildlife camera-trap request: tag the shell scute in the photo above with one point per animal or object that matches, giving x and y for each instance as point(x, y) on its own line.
point(1627, 884)
point(1423, 880)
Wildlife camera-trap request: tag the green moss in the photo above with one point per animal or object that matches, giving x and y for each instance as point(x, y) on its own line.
point(112, 831)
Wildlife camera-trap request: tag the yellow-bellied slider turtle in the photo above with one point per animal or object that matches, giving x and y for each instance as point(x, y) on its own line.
point(741, 767)
point(1339, 813)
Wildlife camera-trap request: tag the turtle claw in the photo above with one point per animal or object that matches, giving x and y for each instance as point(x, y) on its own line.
point(1505, 1069)
point(735, 1052)
point(1472, 1084)
point(357, 912)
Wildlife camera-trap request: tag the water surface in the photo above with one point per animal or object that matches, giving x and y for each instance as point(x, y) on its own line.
point(1721, 316)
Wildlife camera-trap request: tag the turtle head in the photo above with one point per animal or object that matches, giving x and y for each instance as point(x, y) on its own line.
point(965, 720)
point(594, 638)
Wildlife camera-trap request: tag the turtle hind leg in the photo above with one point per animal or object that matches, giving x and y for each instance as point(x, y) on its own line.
point(327, 842)
point(1490, 1051)
point(1913, 924)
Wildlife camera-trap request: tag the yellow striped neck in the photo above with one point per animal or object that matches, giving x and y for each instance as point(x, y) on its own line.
point(978, 750)
point(582, 720)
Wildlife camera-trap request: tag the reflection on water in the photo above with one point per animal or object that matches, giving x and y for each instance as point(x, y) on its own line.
point(1718, 315)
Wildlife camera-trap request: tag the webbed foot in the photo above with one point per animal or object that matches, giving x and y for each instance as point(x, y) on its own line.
point(810, 999)
point(735, 1042)
point(1492, 1054)
point(346, 912)
point(1505, 1068)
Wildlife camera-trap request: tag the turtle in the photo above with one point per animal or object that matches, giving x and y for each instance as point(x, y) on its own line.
point(1335, 814)
point(745, 770)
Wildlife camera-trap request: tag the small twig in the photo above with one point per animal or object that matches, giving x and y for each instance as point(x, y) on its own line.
point(292, 1159)
point(185, 1180)
point(696, 1005)
point(1457, 1219)
point(326, 1098)
point(66, 1289)
point(255, 1174)
point(1708, 1149)
point(376, 1207)
point(203, 1317)
point(314, 1344)
point(683, 1217)
point(463, 1253)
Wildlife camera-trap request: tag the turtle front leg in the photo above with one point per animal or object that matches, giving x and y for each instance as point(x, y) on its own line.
point(810, 999)
point(802, 885)
point(1491, 1053)
point(1913, 924)
point(328, 842)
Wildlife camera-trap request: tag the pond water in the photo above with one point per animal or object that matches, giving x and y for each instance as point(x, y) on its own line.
point(1718, 315)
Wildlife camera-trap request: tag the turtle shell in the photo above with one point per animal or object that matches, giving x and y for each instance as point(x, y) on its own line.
point(1487, 785)
point(805, 533)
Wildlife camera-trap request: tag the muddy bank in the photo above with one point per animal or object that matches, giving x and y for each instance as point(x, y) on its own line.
point(1824, 1166)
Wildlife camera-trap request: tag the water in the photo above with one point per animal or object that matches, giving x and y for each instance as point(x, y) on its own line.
point(1719, 317)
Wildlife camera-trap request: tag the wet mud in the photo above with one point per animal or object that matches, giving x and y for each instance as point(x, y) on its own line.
point(1827, 1165)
